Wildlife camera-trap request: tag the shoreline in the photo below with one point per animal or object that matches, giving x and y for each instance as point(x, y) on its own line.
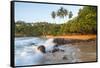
point(80, 37)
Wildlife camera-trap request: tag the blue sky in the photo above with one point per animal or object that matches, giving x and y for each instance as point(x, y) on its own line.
point(35, 12)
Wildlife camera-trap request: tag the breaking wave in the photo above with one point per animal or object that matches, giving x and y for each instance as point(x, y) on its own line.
point(25, 54)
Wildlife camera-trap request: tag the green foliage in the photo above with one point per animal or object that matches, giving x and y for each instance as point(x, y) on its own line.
point(53, 14)
point(70, 14)
point(62, 12)
point(84, 23)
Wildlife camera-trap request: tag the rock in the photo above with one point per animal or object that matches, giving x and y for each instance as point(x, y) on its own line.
point(64, 58)
point(57, 50)
point(61, 41)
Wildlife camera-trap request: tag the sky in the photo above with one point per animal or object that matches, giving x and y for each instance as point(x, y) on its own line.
point(39, 12)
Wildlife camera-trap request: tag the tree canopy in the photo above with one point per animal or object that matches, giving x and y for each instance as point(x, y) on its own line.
point(84, 23)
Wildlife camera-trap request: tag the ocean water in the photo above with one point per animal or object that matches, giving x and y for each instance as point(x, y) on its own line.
point(25, 54)
point(24, 51)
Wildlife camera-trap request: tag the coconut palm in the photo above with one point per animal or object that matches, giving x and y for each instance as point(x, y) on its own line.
point(62, 12)
point(53, 14)
point(70, 14)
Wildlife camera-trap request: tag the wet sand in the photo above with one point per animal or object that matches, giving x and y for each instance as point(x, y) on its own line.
point(85, 52)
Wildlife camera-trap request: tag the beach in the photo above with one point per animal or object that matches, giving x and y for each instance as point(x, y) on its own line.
point(87, 46)
point(82, 37)
point(81, 48)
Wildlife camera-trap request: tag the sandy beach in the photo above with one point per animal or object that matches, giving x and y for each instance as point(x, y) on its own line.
point(82, 37)
point(87, 48)
point(77, 50)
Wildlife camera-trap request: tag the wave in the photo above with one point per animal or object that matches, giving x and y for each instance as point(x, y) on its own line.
point(24, 52)
point(25, 41)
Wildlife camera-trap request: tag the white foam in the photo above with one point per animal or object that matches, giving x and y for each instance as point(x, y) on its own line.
point(25, 41)
point(29, 57)
point(49, 44)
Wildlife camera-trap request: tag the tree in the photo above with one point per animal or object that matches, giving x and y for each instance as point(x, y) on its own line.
point(70, 14)
point(85, 22)
point(62, 12)
point(87, 18)
point(53, 14)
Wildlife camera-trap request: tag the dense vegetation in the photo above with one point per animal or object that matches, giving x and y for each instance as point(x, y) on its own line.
point(84, 23)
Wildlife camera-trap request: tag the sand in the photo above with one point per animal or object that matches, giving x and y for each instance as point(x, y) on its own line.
point(82, 37)
point(83, 52)
point(87, 50)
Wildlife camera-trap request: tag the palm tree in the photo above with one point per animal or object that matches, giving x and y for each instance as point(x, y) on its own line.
point(62, 12)
point(53, 14)
point(70, 14)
